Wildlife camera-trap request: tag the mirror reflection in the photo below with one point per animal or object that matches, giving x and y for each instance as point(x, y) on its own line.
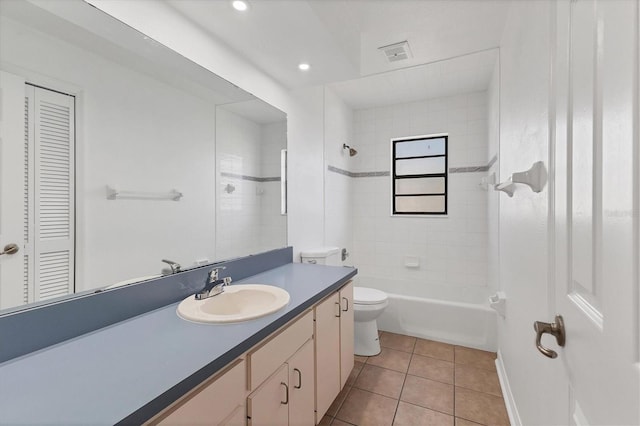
point(110, 156)
point(249, 138)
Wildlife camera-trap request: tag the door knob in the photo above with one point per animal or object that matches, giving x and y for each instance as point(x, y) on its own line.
point(10, 249)
point(556, 329)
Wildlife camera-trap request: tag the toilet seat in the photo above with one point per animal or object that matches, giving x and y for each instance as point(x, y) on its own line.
point(368, 296)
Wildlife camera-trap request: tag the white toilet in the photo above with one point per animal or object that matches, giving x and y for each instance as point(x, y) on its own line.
point(368, 304)
point(322, 256)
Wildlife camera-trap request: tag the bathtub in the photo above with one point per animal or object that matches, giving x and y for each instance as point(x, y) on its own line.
point(459, 323)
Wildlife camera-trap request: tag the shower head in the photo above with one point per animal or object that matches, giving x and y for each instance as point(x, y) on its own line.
point(352, 151)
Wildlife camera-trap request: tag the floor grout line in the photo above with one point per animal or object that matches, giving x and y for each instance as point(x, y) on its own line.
point(405, 373)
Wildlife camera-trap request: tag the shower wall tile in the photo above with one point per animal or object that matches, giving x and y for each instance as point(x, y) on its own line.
point(248, 220)
point(452, 250)
point(340, 125)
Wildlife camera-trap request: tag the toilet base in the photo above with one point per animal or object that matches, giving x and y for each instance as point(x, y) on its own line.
point(367, 342)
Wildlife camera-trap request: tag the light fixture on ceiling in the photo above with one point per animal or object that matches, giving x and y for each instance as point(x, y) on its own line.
point(304, 66)
point(240, 5)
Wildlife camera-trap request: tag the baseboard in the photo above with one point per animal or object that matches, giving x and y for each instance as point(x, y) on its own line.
point(509, 401)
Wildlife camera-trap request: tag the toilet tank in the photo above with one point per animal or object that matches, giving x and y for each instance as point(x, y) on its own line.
point(322, 256)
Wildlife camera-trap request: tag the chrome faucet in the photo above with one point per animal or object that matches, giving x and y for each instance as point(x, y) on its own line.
point(175, 267)
point(214, 286)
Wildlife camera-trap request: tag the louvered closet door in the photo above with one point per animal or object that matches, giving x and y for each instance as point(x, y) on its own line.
point(50, 217)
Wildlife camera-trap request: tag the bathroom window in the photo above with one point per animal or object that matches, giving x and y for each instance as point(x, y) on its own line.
point(419, 177)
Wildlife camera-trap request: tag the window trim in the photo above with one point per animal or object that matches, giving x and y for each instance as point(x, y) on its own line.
point(444, 175)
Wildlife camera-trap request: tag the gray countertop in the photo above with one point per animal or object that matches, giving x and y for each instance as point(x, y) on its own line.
point(128, 371)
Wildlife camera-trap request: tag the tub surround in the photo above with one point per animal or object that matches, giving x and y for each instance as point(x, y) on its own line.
point(132, 369)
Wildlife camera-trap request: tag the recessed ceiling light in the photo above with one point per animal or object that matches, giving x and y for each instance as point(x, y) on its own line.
point(304, 66)
point(240, 5)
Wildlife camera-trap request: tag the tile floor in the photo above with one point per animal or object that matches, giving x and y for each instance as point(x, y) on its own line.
point(420, 382)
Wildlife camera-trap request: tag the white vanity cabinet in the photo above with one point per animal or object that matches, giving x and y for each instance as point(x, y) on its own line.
point(346, 332)
point(290, 378)
point(334, 346)
point(268, 405)
point(302, 386)
point(287, 397)
point(218, 401)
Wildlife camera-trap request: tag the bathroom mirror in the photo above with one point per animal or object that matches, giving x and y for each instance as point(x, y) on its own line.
point(110, 161)
point(250, 136)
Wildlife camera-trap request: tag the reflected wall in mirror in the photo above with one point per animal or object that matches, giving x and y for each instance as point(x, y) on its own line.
point(90, 104)
point(249, 138)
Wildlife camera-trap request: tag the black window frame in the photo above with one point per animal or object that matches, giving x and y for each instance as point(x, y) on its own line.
point(444, 175)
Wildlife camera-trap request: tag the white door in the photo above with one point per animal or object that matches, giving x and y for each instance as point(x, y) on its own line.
point(36, 192)
point(12, 154)
point(596, 208)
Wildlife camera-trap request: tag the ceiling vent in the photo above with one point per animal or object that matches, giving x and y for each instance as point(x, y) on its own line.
point(396, 51)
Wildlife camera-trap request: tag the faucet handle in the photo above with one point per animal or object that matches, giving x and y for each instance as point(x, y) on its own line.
point(213, 274)
point(175, 267)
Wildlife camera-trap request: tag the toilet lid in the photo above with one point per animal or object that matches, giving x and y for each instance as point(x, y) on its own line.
point(368, 296)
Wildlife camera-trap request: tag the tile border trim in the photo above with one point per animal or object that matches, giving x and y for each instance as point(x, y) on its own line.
point(470, 169)
point(250, 178)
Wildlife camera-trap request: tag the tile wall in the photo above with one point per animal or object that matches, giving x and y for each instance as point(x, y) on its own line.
point(339, 122)
point(451, 251)
point(273, 225)
point(248, 216)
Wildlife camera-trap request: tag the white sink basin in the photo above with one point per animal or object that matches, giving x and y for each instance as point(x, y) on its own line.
point(239, 302)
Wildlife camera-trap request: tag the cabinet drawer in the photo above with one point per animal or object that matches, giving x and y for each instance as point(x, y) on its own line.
point(266, 359)
point(214, 401)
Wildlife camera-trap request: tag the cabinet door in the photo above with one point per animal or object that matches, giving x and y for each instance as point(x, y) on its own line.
point(269, 404)
point(327, 345)
point(302, 386)
point(237, 418)
point(213, 401)
point(346, 332)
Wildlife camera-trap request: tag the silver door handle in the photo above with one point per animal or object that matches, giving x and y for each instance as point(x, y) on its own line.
point(10, 249)
point(556, 329)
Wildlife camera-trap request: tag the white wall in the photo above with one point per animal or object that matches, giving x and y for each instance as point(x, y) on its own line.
point(493, 197)
point(133, 133)
point(304, 107)
point(452, 250)
point(273, 225)
point(535, 381)
point(338, 129)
